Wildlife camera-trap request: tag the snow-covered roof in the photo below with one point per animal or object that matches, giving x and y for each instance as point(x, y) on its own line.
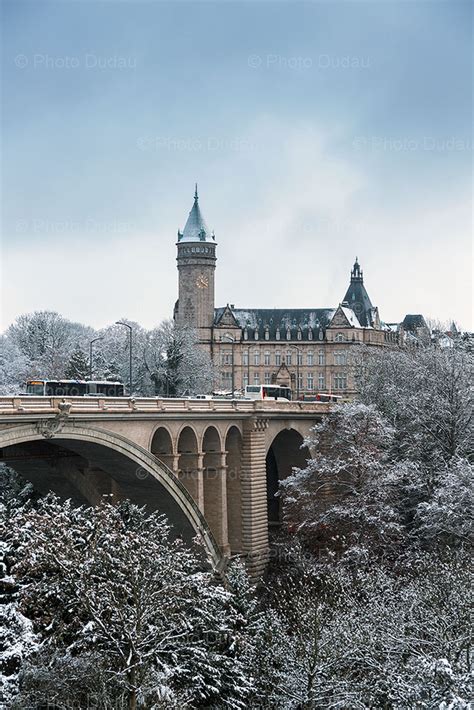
point(351, 317)
point(308, 322)
point(196, 229)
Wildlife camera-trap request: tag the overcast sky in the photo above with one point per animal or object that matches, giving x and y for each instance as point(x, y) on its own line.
point(316, 131)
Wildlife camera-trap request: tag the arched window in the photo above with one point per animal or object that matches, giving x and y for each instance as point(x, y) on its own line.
point(246, 334)
point(256, 334)
point(299, 334)
point(339, 338)
point(267, 333)
point(277, 334)
point(310, 333)
point(288, 334)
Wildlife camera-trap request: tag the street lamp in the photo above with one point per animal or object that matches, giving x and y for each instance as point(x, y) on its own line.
point(230, 339)
point(297, 370)
point(130, 331)
point(90, 354)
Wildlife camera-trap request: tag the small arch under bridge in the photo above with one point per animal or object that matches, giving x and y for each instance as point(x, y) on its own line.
point(212, 466)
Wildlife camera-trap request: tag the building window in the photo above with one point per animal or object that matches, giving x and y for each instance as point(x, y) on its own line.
point(256, 335)
point(277, 358)
point(300, 382)
point(288, 334)
point(321, 381)
point(245, 357)
point(299, 355)
point(321, 335)
point(268, 378)
point(227, 379)
point(288, 357)
point(339, 338)
point(226, 358)
point(266, 358)
point(277, 334)
point(267, 334)
point(256, 378)
point(339, 358)
point(309, 359)
point(340, 381)
point(310, 381)
point(245, 379)
point(310, 334)
point(246, 334)
point(321, 357)
point(256, 358)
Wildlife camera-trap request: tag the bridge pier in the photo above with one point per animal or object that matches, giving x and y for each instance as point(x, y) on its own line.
point(254, 495)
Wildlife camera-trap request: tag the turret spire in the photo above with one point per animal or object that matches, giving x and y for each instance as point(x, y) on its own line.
point(196, 229)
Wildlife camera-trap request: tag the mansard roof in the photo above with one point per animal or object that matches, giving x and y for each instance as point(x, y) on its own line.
point(196, 229)
point(309, 322)
point(413, 321)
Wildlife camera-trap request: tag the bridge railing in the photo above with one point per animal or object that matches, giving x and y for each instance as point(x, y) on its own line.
point(142, 405)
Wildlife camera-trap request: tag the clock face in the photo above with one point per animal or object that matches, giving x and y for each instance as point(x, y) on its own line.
point(202, 281)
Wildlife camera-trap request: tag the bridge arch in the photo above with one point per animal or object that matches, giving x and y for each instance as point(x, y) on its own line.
point(133, 467)
point(162, 447)
point(285, 452)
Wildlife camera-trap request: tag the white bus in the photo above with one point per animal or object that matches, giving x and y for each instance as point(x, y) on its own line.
point(275, 392)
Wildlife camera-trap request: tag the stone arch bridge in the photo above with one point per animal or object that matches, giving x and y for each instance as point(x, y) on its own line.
point(212, 466)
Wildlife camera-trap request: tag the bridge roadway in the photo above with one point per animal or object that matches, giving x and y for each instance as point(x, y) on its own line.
point(212, 466)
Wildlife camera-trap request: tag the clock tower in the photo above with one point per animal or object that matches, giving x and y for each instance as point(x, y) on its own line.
point(196, 266)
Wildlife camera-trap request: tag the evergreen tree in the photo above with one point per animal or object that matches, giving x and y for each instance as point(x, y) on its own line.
point(78, 366)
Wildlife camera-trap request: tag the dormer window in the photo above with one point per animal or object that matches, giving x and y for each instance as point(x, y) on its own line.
point(246, 334)
point(256, 334)
point(299, 335)
point(339, 338)
point(267, 334)
point(288, 334)
point(277, 334)
point(310, 334)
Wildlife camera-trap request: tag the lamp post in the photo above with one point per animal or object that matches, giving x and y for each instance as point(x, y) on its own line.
point(90, 354)
point(130, 332)
point(230, 339)
point(297, 369)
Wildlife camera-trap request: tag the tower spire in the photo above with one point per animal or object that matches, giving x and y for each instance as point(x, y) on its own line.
point(196, 196)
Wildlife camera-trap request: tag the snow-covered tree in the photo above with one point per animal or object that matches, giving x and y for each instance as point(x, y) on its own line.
point(13, 367)
point(122, 610)
point(346, 495)
point(46, 340)
point(427, 396)
point(77, 368)
point(446, 518)
point(175, 362)
point(366, 638)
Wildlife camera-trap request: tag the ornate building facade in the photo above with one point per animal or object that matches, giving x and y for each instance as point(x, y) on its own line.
point(306, 348)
